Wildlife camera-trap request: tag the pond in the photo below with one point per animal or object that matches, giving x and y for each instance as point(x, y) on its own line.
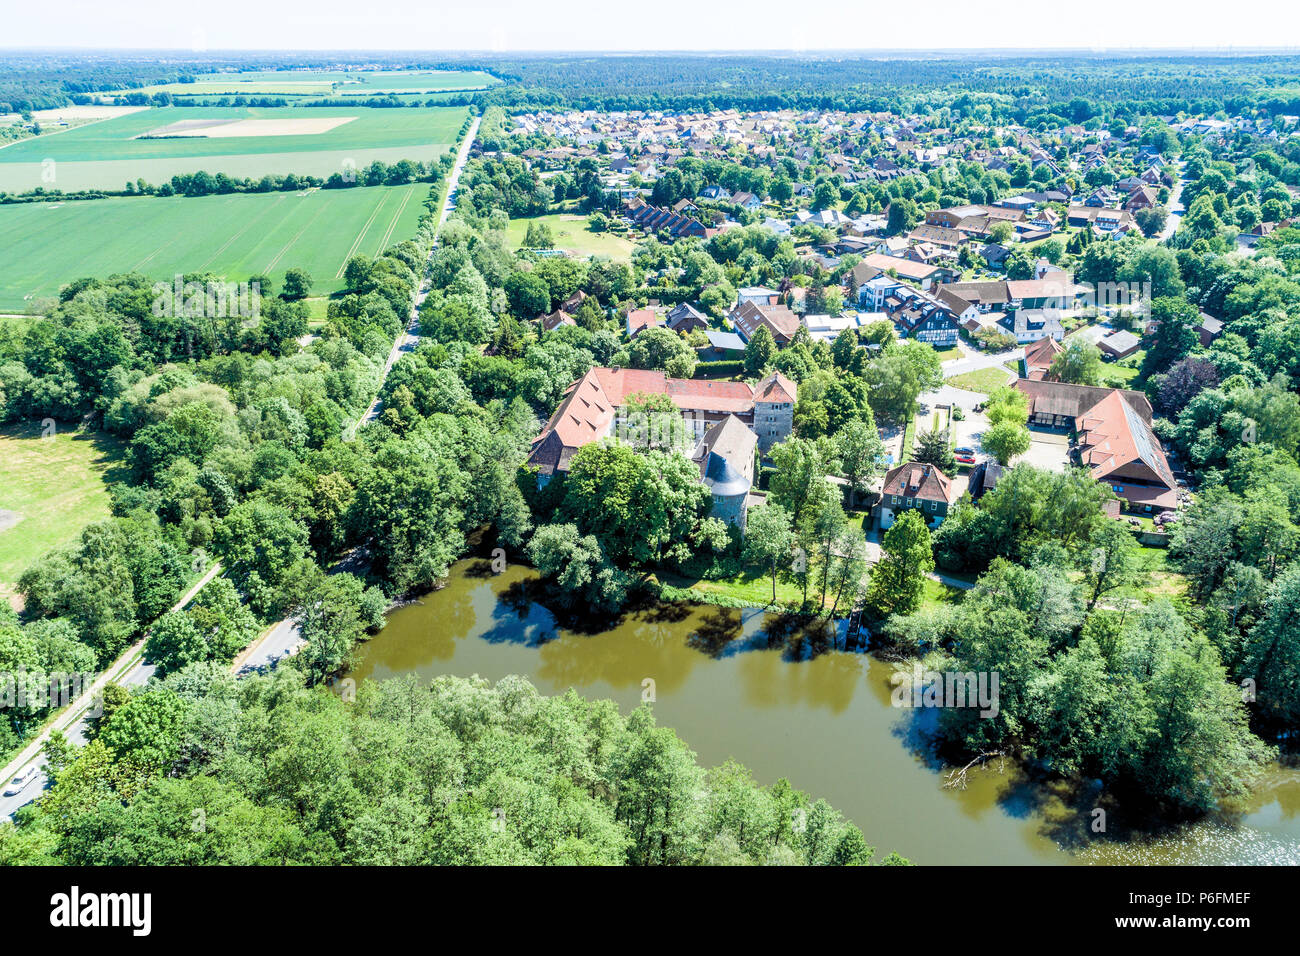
point(788, 701)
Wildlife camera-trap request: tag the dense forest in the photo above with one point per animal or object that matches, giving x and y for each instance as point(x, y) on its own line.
point(1004, 86)
point(203, 770)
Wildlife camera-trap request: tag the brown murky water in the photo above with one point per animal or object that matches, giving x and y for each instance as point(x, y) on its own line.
point(786, 702)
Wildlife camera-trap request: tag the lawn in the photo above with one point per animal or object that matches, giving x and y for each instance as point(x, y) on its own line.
point(1122, 373)
point(752, 587)
point(50, 488)
point(908, 447)
point(1162, 581)
point(238, 235)
point(105, 155)
point(572, 235)
point(982, 380)
point(936, 594)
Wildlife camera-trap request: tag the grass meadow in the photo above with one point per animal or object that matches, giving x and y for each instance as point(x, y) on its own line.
point(237, 235)
point(573, 236)
point(109, 153)
point(50, 488)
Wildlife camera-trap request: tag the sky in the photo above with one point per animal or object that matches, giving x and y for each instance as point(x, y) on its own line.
point(620, 25)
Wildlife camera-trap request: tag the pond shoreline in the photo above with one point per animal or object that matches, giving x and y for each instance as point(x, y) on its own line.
point(787, 700)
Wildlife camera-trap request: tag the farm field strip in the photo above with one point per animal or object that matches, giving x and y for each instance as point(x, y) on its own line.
point(392, 224)
point(270, 266)
point(330, 83)
point(50, 487)
point(49, 244)
point(360, 236)
point(108, 153)
point(251, 223)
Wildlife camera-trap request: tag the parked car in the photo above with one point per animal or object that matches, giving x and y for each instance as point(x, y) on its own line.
point(963, 450)
point(965, 459)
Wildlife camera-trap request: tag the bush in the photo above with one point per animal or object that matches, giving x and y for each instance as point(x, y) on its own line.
point(726, 368)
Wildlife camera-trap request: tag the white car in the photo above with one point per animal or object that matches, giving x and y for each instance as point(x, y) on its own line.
point(18, 783)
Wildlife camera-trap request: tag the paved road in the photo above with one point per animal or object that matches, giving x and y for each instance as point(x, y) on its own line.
point(283, 638)
point(279, 642)
point(872, 534)
point(1175, 207)
point(952, 395)
point(407, 341)
point(129, 670)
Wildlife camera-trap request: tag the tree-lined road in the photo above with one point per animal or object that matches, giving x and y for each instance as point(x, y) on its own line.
point(408, 339)
point(129, 670)
point(284, 638)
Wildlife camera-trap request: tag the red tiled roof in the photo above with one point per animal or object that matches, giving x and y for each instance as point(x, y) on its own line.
point(906, 268)
point(780, 321)
point(1119, 447)
point(1040, 355)
point(591, 404)
point(639, 319)
point(776, 388)
point(917, 480)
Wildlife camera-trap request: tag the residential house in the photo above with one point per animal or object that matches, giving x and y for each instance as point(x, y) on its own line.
point(1039, 356)
point(685, 318)
point(593, 407)
point(915, 486)
point(1031, 325)
point(1208, 329)
point(986, 296)
point(825, 328)
point(1054, 291)
point(759, 295)
point(653, 219)
point(919, 315)
point(780, 321)
point(556, 319)
point(925, 275)
point(1143, 197)
point(640, 319)
point(1101, 220)
point(571, 304)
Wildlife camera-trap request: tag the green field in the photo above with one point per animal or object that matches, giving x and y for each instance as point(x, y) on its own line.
point(324, 83)
point(572, 235)
point(106, 154)
point(238, 235)
point(50, 488)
